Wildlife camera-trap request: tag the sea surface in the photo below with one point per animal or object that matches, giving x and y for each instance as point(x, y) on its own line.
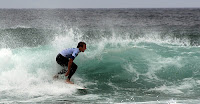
point(133, 56)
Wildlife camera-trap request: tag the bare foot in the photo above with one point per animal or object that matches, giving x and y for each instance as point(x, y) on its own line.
point(68, 81)
point(55, 77)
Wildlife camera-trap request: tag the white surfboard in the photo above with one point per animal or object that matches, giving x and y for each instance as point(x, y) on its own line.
point(73, 85)
point(77, 86)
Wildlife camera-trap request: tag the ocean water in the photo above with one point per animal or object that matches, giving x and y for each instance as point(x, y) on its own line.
point(133, 56)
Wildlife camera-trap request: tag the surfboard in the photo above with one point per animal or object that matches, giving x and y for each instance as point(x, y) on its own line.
point(78, 87)
point(72, 85)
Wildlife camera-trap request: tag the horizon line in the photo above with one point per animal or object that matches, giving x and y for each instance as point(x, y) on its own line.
point(116, 8)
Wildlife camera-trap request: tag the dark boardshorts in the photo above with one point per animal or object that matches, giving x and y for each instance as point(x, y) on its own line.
point(63, 61)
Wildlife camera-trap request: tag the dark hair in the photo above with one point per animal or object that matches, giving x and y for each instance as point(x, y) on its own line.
point(80, 44)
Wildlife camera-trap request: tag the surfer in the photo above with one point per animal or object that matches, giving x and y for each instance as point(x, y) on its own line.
point(65, 59)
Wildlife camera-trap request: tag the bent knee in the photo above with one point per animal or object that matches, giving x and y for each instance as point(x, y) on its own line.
point(75, 66)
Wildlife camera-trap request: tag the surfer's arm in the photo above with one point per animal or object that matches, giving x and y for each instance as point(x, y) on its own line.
point(69, 66)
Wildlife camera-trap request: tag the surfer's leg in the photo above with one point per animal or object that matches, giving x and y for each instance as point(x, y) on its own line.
point(73, 70)
point(62, 61)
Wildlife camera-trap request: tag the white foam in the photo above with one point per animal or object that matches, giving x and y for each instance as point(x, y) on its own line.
point(67, 39)
point(23, 75)
point(183, 87)
point(155, 37)
point(168, 89)
point(5, 56)
point(20, 26)
point(132, 70)
point(170, 101)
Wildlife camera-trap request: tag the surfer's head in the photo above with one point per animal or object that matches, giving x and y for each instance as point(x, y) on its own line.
point(81, 46)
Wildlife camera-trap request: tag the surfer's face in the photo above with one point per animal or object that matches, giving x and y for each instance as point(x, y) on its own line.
point(82, 49)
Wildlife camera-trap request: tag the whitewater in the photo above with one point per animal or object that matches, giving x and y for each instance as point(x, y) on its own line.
point(133, 56)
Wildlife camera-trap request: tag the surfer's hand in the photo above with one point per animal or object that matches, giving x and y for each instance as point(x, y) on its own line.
point(67, 73)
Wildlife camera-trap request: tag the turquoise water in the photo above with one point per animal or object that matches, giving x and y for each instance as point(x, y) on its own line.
point(119, 65)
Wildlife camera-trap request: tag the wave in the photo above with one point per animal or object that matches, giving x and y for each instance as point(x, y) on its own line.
point(114, 64)
point(22, 36)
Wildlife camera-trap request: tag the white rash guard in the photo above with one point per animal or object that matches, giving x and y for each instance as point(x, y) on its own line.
point(70, 53)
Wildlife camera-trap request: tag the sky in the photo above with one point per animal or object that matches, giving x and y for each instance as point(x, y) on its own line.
point(99, 3)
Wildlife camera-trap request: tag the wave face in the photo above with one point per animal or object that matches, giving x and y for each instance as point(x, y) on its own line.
point(132, 56)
